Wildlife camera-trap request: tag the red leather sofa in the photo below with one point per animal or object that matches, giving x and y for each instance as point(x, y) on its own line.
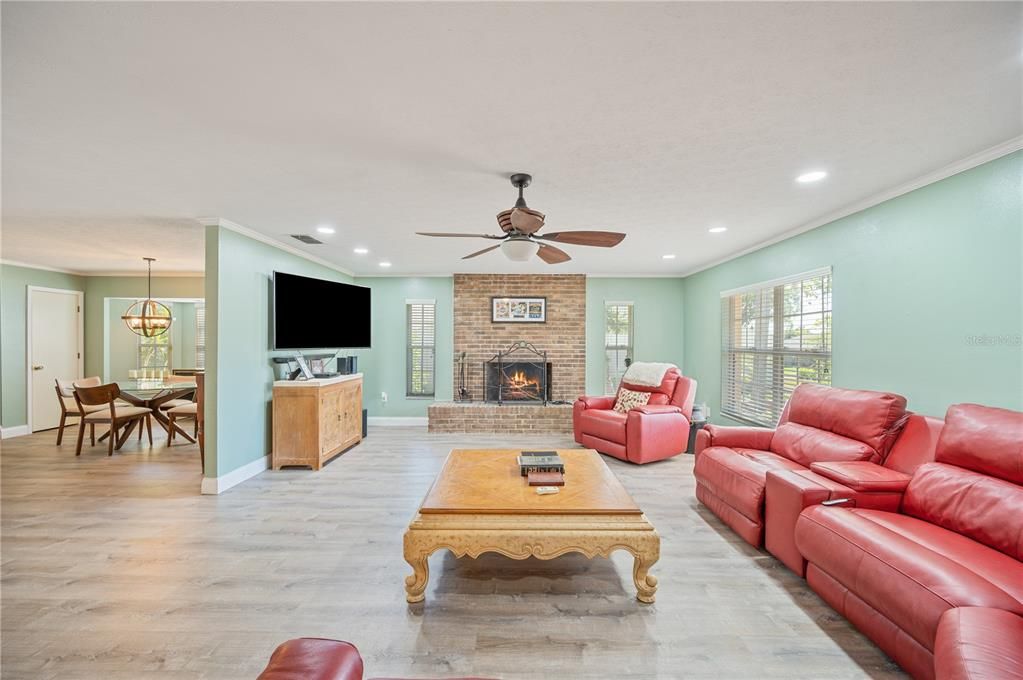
point(316, 659)
point(819, 424)
point(953, 540)
point(656, 431)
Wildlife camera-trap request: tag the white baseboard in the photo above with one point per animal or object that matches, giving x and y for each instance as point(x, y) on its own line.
point(216, 485)
point(387, 421)
point(16, 431)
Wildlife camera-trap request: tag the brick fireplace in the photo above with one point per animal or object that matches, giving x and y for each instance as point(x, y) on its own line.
point(562, 338)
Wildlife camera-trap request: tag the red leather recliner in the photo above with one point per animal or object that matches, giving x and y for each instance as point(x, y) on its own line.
point(955, 540)
point(647, 433)
point(819, 424)
point(866, 485)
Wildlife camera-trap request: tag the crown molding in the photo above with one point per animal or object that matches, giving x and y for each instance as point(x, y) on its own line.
point(403, 276)
point(29, 265)
point(162, 275)
point(954, 168)
point(270, 241)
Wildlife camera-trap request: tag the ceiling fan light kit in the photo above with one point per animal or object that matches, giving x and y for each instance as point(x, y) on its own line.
point(519, 249)
point(520, 241)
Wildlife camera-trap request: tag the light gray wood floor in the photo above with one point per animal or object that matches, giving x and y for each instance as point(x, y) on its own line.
point(116, 568)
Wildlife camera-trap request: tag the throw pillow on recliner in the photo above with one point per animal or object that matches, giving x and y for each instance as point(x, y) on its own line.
point(630, 399)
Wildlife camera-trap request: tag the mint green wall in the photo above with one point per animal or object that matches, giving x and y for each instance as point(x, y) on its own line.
point(14, 283)
point(239, 373)
point(384, 364)
point(915, 280)
point(98, 288)
point(657, 321)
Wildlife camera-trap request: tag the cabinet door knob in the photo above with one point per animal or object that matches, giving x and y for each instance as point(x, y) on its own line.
point(38, 368)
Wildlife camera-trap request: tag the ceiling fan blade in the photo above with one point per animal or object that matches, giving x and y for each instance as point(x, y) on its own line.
point(552, 255)
point(450, 235)
point(480, 252)
point(526, 221)
point(601, 239)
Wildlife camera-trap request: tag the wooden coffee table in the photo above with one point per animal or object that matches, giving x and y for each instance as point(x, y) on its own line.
point(479, 503)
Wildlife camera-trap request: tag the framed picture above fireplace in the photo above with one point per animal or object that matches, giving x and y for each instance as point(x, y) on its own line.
point(518, 309)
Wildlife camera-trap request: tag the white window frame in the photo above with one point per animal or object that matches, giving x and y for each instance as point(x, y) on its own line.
point(427, 344)
point(613, 371)
point(760, 365)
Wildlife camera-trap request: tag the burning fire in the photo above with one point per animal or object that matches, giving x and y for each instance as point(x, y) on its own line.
point(519, 379)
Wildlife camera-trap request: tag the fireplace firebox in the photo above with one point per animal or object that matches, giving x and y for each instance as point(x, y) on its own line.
point(519, 374)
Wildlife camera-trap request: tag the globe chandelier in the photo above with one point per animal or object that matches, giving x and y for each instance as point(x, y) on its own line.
point(148, 317)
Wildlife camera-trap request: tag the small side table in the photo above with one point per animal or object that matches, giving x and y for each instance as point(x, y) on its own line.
point(694, 427)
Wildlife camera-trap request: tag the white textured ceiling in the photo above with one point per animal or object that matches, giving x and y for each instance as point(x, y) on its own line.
point(123, 122)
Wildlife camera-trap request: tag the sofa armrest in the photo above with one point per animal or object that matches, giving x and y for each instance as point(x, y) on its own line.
point(601, 403)
point(787, 493)
point(861, 475)
point(973, 643)
point(651, 436)
point(656, 409)
point(739, 437)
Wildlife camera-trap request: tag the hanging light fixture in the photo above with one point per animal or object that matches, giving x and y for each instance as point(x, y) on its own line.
point(148, 317)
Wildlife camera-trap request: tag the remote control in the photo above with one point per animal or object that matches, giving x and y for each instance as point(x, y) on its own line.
point(544, 490)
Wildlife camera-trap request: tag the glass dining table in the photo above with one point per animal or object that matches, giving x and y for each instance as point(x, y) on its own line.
point(152, 392)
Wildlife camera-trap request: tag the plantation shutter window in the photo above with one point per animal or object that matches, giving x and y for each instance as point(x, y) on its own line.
point(200, 336)
point(618, 342)
point(421, 333)
point(774, 336)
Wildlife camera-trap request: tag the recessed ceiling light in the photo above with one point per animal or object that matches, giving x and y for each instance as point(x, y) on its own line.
point(324, 229)
point(385, 264)
point(717, 230)
point(360, 251)
point(667, 257)
point(812, 176)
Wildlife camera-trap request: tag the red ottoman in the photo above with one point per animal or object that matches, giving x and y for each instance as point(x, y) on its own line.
point(314, 659)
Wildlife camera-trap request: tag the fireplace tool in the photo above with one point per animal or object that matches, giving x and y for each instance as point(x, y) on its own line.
point(463, 391)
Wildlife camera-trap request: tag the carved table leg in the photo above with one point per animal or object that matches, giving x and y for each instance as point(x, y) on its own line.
point(418, 558)
point(646, 583)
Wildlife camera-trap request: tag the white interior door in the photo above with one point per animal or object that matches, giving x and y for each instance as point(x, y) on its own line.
point(54, 350)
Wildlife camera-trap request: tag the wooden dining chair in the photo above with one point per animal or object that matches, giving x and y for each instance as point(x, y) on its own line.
point(115, 415)
point(193, 410)
point(69, 407)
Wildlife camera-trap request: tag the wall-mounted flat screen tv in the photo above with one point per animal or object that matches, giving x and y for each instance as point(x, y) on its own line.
point(313, 313)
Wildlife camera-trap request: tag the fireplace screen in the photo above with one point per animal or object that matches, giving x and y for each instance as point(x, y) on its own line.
point(519, 374)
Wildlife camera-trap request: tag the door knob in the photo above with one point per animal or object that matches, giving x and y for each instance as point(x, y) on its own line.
point(38, 368)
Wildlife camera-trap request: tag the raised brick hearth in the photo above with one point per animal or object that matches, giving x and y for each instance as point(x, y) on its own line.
point(447, 416)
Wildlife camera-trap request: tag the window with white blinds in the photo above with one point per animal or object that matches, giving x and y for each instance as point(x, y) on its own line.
point(200, 335)
point(774, 336)
point(420, 364)
point(618, 342)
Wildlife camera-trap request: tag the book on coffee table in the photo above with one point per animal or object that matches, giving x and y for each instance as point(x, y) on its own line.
point(540, 461)
point(546, 479)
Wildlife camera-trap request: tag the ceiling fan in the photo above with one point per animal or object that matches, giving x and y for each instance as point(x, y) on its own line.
point(520, 225)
